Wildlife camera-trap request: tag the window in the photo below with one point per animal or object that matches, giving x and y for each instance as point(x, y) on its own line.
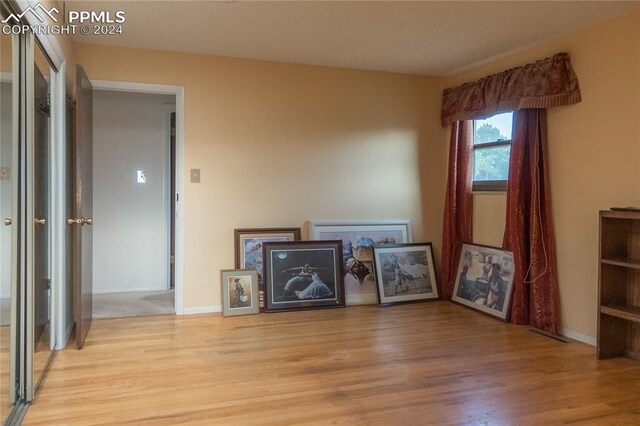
point(491, 149)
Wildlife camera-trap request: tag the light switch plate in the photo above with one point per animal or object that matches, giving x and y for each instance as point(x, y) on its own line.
point(195, 175)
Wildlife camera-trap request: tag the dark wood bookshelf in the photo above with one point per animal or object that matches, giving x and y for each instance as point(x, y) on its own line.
point(619, 285)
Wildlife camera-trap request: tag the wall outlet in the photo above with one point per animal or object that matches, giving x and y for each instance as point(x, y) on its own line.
point(195, 175)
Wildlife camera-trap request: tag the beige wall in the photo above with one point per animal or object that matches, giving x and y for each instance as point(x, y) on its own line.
point(594, 151)
point(279, 144)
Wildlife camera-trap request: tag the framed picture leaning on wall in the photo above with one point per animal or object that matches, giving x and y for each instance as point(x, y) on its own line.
point(248, 248)
point(484, 280)
point(239, 292)
point(303, 275)
point(358, 237)
point(405, 273)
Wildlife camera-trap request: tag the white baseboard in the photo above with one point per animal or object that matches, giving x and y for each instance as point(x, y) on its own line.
point(352, 299)
point(129, 290)
point(203, 310)
point(589, 340)
point(67, 335)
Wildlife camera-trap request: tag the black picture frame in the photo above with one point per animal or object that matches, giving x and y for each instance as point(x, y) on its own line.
point(303, 275)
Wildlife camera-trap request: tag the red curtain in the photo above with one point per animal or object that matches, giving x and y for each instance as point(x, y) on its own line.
point(529, 228)
point(544, 84)
point(458, 207)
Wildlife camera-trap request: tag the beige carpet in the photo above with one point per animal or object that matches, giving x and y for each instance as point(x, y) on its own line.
point(133, 304)
point(5, 311)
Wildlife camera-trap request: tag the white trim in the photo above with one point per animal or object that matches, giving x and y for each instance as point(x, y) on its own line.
point(312, 224)
point(49, 42)
point(179, 259)
point(215, 309)
point(131, 290)
point(589, 340)
point(178, 91)
point(361, 222)
point(29, 271)
point(352, 299)
point(123, 86)
point(489, 193)
point(67, 334)
point(58, 199)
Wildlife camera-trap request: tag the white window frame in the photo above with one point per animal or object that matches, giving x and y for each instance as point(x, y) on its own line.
point(489, 185)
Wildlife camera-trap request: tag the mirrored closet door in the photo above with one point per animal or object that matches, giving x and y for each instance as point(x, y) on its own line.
point(8, 256)
point(39, 142)
point(26, 329)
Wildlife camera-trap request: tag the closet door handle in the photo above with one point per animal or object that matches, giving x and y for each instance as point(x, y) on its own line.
point(7, 221)
point(82, 221)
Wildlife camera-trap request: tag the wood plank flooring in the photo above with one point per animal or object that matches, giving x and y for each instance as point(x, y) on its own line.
point(408, 364)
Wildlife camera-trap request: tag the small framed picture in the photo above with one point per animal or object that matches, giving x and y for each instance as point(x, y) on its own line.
point(248, 248)
point(239, 292)
point(405, 273)
point(484, 281)
point(303, 275)
point(358, 237)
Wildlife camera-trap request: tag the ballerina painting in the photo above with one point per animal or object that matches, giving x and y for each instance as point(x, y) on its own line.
point(303, 274)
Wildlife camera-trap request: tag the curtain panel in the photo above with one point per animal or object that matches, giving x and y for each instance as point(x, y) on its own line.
point(458, 207)
point(543, 84)
point(529, 229)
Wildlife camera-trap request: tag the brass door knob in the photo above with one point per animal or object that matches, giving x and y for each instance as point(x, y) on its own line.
point(74, 221)
point(87, 221)
point(40, 222)
point(7, 221)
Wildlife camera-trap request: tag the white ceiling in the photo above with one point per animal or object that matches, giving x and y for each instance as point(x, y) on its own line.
point(431, 37)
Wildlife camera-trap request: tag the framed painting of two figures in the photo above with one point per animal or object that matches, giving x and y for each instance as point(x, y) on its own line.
point(303, 275)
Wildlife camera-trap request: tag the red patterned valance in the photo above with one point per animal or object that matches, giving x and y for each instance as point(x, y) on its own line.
point(546, 83)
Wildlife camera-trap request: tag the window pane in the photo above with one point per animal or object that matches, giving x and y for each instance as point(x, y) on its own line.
point(491, 163)
point(492, 129)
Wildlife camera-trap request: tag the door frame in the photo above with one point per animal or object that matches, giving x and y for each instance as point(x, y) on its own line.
point(178, 91)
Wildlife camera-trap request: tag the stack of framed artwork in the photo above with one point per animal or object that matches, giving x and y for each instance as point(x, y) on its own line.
point(342, 263)
point(352, 262)
point(358, 239)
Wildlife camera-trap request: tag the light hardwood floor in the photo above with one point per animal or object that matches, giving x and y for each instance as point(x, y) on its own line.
point(410, 364)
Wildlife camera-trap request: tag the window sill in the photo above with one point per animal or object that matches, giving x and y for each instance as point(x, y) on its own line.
point(488, 192)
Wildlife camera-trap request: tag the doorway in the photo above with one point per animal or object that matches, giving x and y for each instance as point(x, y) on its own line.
point(134, 188)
